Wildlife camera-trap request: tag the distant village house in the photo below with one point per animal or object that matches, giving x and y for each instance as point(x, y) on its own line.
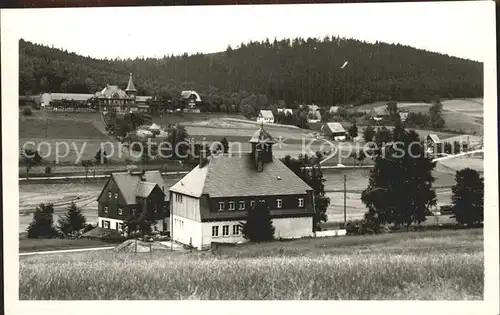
point(265, 116)
point(334, 109)
point(191, 100)
point(378, 113)
point(333, 131)
point(432, 143)
point(285, 111)
point(51, 99)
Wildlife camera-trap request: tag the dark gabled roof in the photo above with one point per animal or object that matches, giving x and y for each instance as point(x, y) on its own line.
point(144, 189)
point(130, 185)
point(130, 86)
point(235, 176)
point(434, 137)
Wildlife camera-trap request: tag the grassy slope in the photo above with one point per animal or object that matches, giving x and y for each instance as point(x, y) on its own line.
point(32, 245)
point(444, 265)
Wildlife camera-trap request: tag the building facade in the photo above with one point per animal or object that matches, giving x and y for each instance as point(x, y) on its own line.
point(265, 116)
point(210, 203)
point(334, 131)
point(130, 194)
point(191, 101)
point(112, 98)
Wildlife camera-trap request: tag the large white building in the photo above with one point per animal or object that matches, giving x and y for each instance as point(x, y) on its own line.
point(210, 203)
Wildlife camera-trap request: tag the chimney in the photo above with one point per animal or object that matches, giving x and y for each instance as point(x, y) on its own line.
point(203, 157)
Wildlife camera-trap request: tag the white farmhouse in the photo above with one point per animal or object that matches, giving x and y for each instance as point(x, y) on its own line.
point(265, 116)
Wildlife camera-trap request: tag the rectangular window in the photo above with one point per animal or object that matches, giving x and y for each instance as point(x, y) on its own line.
point(178, 198)
point(236, 230)
point(133, 211)
point(252, 204)
point(120, 211)
point(120, 226)
point(231, 205)
point(106, 209)
point(106, 224)
point(301, 202)
point(242, 205)
point(116, 195)
point(279, 203)
point(110, 194)
point(225, 230)
point(215, 231)
point(221, 206)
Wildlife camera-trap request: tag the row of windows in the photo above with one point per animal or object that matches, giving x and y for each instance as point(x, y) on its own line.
point(241, 204)
point(225, 230)
point(120, 211)
point(105, 224)
point(111, 101)
point(110, 195)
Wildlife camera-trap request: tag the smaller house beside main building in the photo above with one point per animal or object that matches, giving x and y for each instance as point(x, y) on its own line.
point(210, 202)
point(133, 193)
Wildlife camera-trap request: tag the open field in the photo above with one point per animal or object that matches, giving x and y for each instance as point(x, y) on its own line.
point(464, 115)
point(432, 265)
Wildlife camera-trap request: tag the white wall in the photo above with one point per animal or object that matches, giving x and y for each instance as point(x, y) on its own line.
point(207, 238)
point(186, 231)
point(327, 233)
point(293, 227)
point(189, 207)
point(112, 222)
point(200, 234)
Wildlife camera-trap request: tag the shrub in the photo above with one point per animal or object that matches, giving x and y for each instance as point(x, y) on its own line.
point(87, 228)
point(27, 111)
point(42, 225)
point(258, 226)
point(72, 222)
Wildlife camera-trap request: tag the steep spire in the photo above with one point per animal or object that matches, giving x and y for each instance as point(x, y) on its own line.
point(130, 86)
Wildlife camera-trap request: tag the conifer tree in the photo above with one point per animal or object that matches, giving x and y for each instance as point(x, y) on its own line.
point(42, 225)
point(400, 185)
point(468, 197)
point(72, 221)
point(258, 226)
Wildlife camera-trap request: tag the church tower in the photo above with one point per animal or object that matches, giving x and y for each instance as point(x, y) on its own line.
point(130, 90)
point(262, 148)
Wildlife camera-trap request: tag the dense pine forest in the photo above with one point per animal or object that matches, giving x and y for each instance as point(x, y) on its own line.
point(294, 71)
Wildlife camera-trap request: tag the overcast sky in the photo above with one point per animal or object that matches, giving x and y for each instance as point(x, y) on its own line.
point(447, 27)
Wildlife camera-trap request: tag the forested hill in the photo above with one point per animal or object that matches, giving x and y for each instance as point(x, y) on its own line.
point(294, 70)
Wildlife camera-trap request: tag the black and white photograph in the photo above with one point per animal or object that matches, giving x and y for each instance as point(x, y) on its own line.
point(332, 152)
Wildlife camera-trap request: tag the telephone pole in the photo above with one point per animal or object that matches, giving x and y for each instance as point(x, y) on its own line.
point(345, 199)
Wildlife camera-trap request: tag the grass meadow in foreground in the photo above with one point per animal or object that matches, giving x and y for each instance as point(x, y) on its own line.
point(433, 265)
